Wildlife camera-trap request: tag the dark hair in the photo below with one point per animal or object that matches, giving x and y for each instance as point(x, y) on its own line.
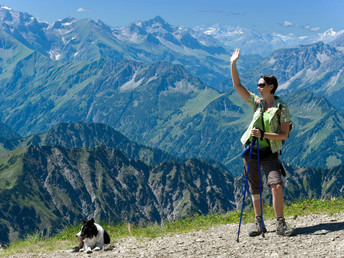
point(270, 79)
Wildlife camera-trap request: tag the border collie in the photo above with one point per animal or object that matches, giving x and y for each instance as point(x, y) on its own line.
point(92, 236)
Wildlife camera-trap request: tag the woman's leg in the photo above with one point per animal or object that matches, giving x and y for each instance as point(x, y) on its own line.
point(256, 207)
point(257, 228)
point(277, 199)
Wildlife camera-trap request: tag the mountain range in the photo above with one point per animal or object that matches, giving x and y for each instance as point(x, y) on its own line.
point(140, 123)
point(160, 105)
point(264, 44)
point(45, 187)
point(317, 68)
point(205, 52)
point(79, 40)
point(81, 135)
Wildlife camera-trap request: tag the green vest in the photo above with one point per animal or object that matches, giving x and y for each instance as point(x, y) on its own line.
point(273, 119)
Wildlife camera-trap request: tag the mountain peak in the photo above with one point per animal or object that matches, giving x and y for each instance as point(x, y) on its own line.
point(18, 19)
point(5, 7)
point(62, 22)
point(159, 24)
point(157, 19)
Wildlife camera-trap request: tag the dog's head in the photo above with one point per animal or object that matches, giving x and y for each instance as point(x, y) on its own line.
point(88, 230)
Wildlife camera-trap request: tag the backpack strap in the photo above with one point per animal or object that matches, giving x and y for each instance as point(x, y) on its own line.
point(258, 104)
point(278, 113)
point(262, 118)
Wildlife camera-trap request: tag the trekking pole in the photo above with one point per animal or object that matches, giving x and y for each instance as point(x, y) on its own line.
point(260, 189)
point(243, 199)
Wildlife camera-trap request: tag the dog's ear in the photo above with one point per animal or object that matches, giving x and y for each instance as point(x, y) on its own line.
point(84, 222)
point(90, 222)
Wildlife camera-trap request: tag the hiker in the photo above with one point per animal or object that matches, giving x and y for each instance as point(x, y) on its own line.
point(273, 129)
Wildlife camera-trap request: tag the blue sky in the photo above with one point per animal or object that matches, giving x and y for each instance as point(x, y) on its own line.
point(300, 17)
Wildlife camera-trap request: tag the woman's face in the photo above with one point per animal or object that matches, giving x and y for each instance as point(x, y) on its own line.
point(263, 88)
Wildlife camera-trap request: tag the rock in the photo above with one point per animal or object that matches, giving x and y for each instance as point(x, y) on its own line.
point(108, 247)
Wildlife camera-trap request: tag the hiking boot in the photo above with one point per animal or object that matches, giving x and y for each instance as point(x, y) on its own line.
point(257, 228)
point(283, 229)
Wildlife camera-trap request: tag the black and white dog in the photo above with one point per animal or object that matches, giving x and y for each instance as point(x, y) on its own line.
point(92, 237)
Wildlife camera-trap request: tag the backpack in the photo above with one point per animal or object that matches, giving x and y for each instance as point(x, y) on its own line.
point(278, 116)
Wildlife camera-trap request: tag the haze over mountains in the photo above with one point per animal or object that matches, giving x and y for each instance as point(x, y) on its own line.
point(141, 123)
point(264, 44)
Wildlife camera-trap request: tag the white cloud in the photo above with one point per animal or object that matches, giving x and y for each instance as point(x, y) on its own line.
point(287, 24)
point(315, 29)
point(80, 10)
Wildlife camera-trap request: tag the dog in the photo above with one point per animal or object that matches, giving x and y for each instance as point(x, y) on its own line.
point(92, 237)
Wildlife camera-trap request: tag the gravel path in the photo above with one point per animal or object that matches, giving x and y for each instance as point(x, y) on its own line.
point(317, 236)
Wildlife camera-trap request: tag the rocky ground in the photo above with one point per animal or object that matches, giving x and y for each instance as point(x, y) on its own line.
point(317, 236)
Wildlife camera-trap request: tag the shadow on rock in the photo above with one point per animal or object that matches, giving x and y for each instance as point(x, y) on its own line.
point(321, 229)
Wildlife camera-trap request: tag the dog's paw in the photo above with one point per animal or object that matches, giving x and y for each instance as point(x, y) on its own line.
point(75, 249)
point(89, 251)
point(96, 248)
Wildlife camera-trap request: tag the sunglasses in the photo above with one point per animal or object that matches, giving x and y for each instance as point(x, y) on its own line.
point(262, 85)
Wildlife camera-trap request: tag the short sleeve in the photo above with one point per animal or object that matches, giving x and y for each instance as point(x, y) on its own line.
point(253, 99)
point(285, 114)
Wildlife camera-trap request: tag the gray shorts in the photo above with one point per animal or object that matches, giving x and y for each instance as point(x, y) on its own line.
point(270, 167)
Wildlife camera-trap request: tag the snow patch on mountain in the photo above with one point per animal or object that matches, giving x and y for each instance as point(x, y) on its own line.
point(322, 57)
point(66, 42)
point(272, 61)
point(330, 35)
point(334, 80)
point(68, 23)
point(6, 7)
point(311, 75)
point(131, 85)
point(152, 79)
point(54, 55)
point(291, 80)
point(125, 33)
point(182, 86)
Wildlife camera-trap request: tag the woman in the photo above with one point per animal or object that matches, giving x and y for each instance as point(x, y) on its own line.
point(273, 118)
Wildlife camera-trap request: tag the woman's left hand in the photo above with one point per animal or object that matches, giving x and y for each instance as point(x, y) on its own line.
point(256, 133)
point(235, 55)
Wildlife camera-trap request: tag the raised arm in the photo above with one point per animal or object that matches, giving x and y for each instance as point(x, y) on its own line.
point(243, 92)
